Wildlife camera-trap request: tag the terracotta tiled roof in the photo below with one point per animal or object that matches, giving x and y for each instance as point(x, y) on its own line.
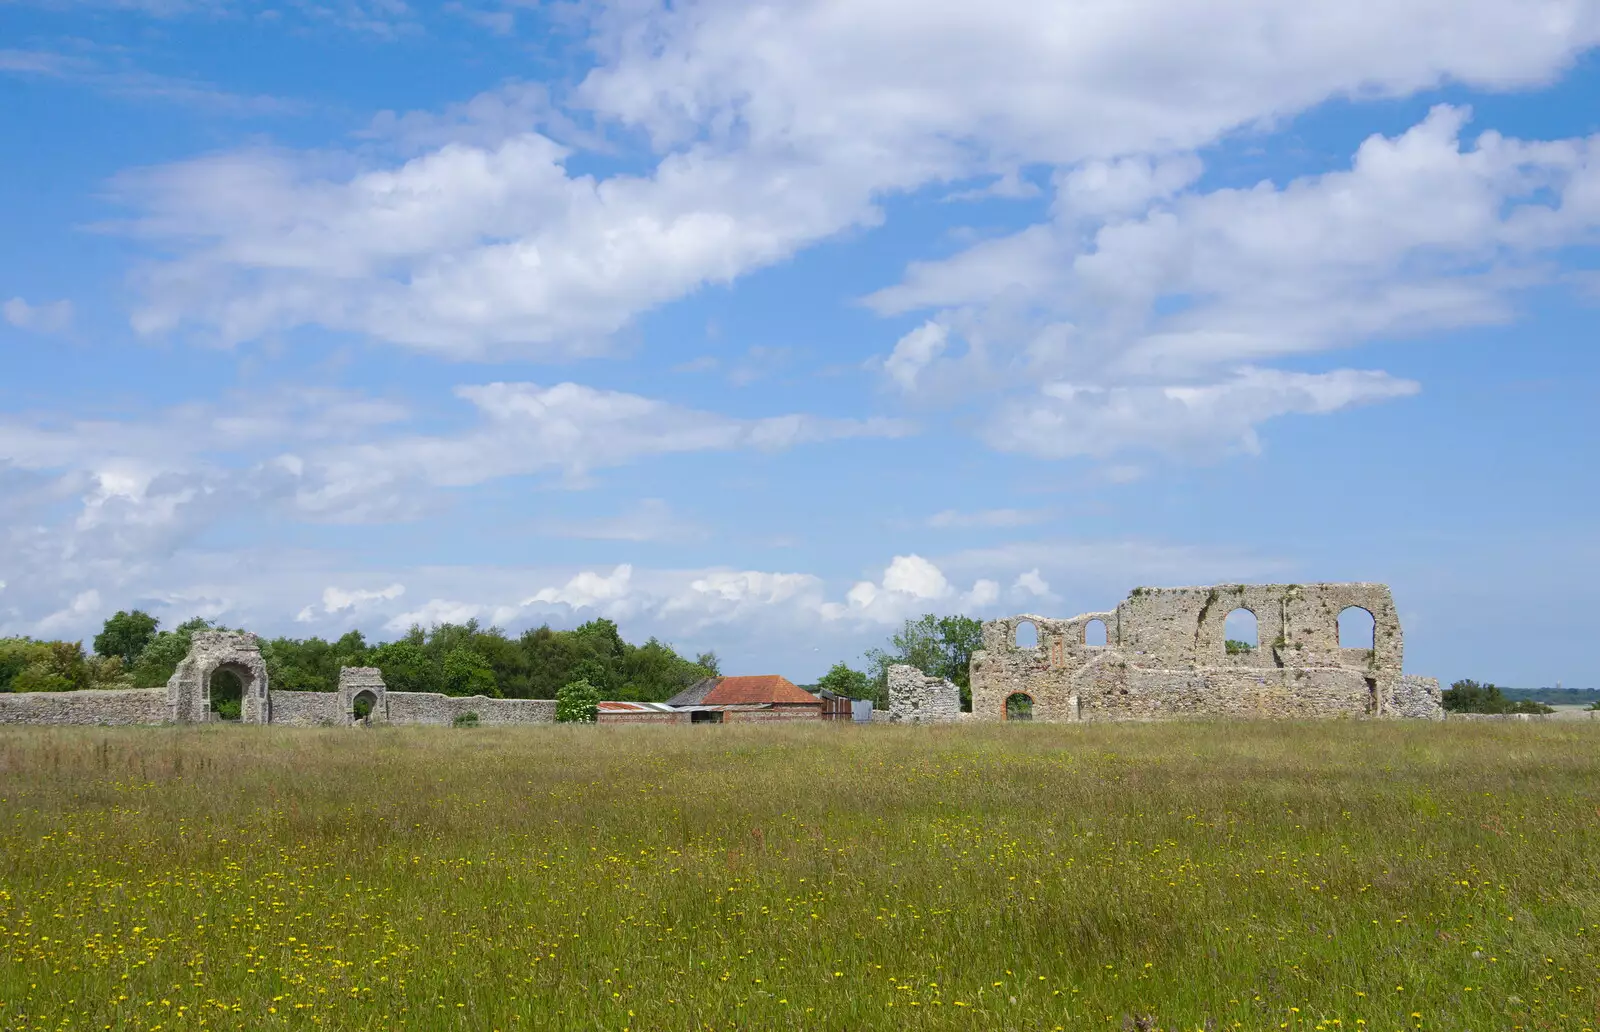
point(733, 691)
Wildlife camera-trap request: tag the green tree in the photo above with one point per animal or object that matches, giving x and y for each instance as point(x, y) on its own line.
point(1468, 696)
point(164, 652)
point(466, 672)
point(842, 679)
point(938, 646)
point(406, 667)
point(126, 634)
point(577, 702)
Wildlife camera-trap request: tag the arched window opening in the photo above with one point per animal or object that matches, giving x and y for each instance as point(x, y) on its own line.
point(1357, 629)
point(1019, 706)
point(1239, 633)
point(1027, 635)
point(1094, 633)
point(362, 705)
point(227, 695)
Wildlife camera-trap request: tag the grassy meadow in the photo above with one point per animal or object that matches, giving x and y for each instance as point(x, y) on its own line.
point(1342, 875)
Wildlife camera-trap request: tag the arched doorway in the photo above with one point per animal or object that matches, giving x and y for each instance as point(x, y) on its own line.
point(361, 707)
point(225, 693)
point(1019, 706)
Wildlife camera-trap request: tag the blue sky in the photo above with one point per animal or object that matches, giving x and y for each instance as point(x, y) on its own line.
point(762, 326)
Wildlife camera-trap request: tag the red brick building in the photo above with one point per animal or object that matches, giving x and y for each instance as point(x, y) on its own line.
point(764, 697)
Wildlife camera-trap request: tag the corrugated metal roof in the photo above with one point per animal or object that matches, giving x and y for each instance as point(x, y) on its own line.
point(667, 707)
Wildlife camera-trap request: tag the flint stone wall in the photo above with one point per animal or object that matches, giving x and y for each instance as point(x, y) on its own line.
point(442, 710)
point(916, 698)
point(307, 709)
point(1417, 697)
point(1165, 656)
point(92, 706)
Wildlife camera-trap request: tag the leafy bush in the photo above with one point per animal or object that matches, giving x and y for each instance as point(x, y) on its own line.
point(467, 719)
point(577, 702)
point(1234, 647)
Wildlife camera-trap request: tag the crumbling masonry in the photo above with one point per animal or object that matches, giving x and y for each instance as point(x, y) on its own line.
point(1166, 655)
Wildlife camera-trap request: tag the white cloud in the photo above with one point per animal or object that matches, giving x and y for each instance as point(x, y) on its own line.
point(441, 611)
point(953, 519)
point(1064, 419)
point(84, 607)
point(914, 352)
point(588, 590)
point(915, 576)
point(529, 429)
point(1146, 329)
point(53, 317)
point(774, 126)
point(1032, 583)
point(984, 594)
point(335, 600)
point(334, 456)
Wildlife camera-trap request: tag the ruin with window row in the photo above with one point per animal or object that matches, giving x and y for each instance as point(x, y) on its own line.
point(1168, 652)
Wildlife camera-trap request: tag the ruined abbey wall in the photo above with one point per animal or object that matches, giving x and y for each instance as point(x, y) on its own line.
point(1165, 655)
point(916, 698)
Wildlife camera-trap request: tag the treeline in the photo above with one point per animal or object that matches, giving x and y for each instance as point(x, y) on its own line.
point(1469, 696)
point(1555, 696)
point(131, 651)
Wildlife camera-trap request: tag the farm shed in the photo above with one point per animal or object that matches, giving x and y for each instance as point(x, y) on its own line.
point(763, 697)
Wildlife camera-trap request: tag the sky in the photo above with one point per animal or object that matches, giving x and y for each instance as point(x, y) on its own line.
point(760, 326)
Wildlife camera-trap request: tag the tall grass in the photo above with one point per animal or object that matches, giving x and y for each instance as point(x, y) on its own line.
point(1179, 876)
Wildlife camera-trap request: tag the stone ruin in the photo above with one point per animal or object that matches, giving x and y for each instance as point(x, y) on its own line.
point(1166, 655)
point(363, 683)
point(187, 697)
point(916, 698)
point(237, 652)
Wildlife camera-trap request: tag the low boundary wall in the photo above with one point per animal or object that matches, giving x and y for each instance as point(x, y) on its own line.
point(91, 706)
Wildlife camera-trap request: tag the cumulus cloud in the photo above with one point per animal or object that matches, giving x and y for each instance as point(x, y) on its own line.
point(52, 317)
point(772, 128)
point(1138, 317)
point(587, 589)
point(1032, 583)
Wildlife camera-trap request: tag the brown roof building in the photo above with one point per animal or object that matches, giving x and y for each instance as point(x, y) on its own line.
point(779, 697)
